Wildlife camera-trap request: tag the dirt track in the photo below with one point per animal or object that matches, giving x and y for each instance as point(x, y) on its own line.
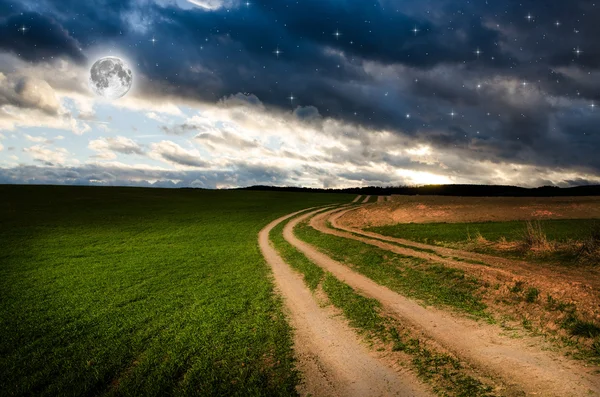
point(331, 358)
point(518, 362)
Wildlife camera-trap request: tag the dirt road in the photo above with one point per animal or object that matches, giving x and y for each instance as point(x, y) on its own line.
point(520, 363)
point(332, 359)
point(366, 200)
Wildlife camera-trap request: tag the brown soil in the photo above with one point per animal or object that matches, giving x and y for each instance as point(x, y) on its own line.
point(519, 362)
point(356, 198)
point(380, 199)
point(330, 356)
point(366, 199)
point(434, 209)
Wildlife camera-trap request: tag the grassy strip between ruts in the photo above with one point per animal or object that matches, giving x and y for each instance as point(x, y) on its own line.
point(373, 199)
point(446, 374)
point(427, 250)
point(414, 277)
point(411, 247)
point(126, 291)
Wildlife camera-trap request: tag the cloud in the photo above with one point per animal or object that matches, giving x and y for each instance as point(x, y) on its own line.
point(47, 156)
point(172, 153)
point(347, 108)
point(210, 4)
point(28, 101)
point(41, 139)
point(107, 147)
point(43, 38)
point(28, 93)
point(227, 139)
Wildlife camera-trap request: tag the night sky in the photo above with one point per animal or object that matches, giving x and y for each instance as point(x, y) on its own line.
point(320, 93)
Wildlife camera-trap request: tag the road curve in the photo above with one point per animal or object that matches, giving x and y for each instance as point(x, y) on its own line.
point(516, 361)
point(330, 355)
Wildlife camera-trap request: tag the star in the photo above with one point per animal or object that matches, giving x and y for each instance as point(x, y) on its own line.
point(478, 86)
point(23, 29)
point(408, 115)
point(337, 34)
point(577, 52)
point(277, 52)
point(291, 98)
point(557, 23)
point(452, 114)
point(153, 40)
point(478, 52)
point(415, 30)
point(593, 105)
point(529, 17)
point(247, 4)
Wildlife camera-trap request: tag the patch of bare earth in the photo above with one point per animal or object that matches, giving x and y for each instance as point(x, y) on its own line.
point(435, 209)
point(520, 363)
point(330, 356)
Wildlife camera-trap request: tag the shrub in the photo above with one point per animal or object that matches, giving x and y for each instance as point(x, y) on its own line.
point(585, 328)
point(518, 287)
point(532, 295)
point(590, 249)
point(596, 346)
point(534, 237)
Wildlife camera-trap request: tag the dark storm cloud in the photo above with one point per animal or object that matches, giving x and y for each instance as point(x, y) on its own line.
point(42, 39)
point(377, 73)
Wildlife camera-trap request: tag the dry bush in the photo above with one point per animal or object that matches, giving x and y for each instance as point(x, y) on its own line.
point(589, 252)
point(535, 239)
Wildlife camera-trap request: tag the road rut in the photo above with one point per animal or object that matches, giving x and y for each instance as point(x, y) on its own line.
point(331, 358)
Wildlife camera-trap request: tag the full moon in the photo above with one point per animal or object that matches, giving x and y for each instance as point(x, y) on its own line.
point(110, 77)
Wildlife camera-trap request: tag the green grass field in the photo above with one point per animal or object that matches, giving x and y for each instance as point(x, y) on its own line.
point(124, 291)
